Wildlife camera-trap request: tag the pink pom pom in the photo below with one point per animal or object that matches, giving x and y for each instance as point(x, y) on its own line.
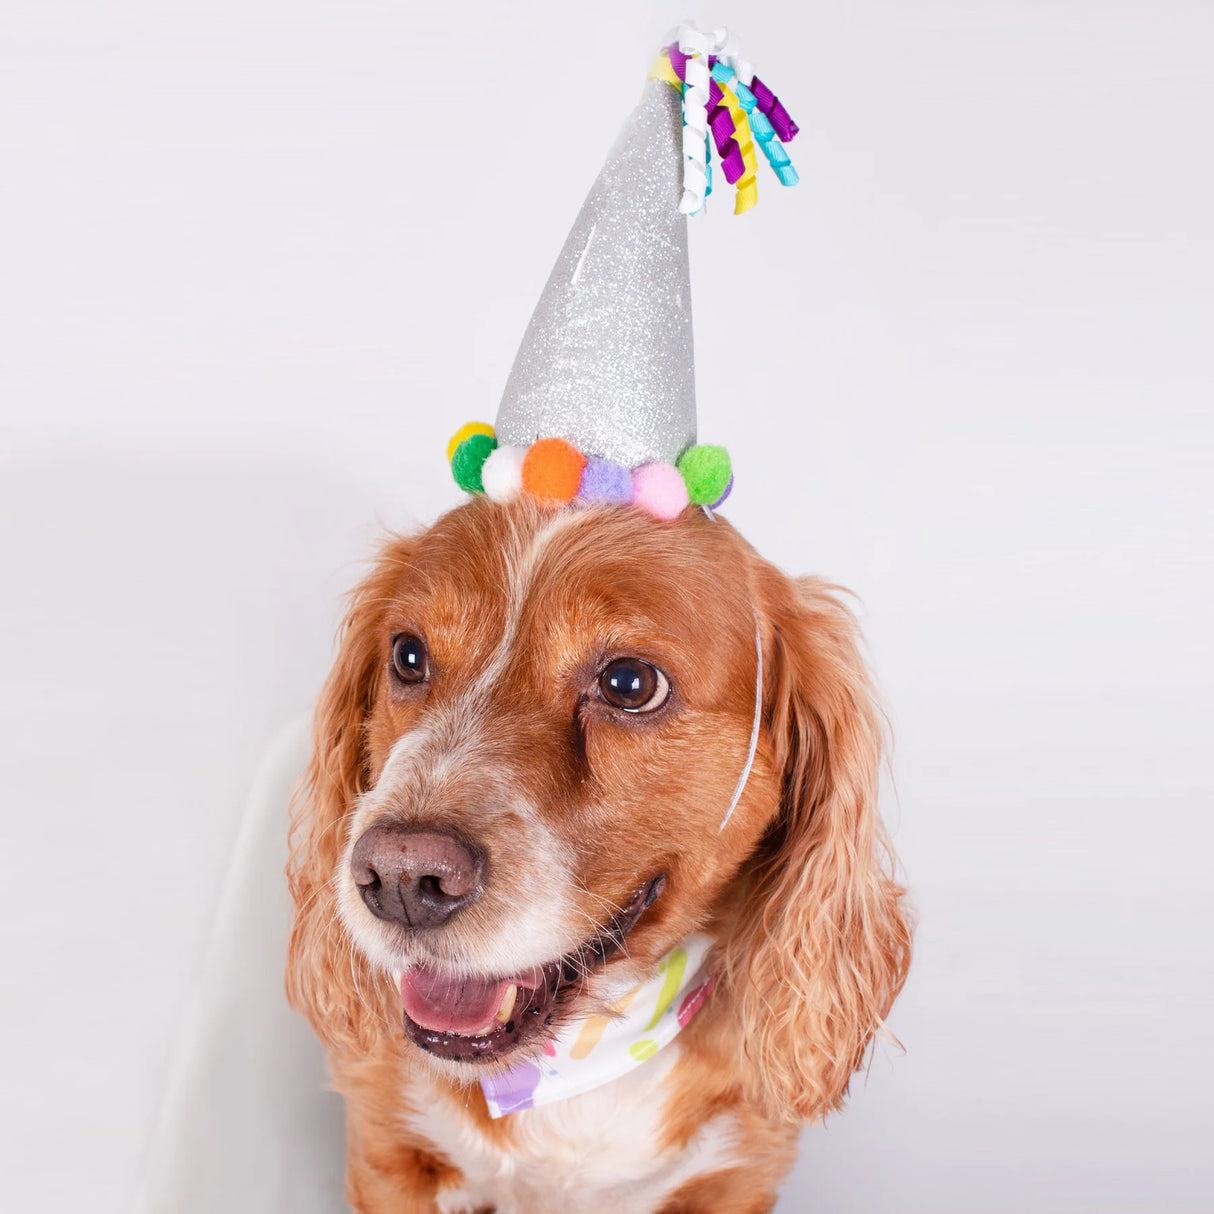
point(659, 490)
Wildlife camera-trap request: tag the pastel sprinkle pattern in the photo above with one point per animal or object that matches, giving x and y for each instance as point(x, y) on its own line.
point(693, 1001)
point(644, 1049)
point(671, 968)
point(593, 1028)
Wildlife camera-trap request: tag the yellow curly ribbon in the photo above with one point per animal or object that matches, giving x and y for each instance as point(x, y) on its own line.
point(747, 185)
point(663, 69)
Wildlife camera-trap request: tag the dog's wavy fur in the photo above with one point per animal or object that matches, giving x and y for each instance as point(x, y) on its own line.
point(813, 939)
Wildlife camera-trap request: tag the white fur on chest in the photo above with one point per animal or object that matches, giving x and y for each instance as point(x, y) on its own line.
point(591, 1154)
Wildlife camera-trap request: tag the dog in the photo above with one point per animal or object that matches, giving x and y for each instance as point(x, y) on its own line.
point(523, 761)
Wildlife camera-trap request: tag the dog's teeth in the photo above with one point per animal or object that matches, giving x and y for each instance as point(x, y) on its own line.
point(503, 1012)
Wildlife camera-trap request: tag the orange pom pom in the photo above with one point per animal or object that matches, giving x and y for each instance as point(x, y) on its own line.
point(552, 471)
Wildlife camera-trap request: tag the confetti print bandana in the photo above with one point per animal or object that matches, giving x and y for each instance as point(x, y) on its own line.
point(589, 1053)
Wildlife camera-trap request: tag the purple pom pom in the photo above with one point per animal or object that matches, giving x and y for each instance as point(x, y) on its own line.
point(728, 490)
point(605, 483)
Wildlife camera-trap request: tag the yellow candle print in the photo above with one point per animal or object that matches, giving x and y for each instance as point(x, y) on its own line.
point(593, 1027)
point(672, 965)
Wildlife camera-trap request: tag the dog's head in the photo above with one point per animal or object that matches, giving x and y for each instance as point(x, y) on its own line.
point(524, 758)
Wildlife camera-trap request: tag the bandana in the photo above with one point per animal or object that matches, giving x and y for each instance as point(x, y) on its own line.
point(590, 1052)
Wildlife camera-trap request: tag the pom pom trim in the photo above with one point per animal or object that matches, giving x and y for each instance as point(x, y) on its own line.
point(466, 432)
point(468, 462)
point(553, 472)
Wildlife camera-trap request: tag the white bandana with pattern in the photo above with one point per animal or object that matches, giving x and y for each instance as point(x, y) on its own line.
point(590, 1052)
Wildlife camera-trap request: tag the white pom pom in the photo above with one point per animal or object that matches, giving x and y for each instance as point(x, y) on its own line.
point(502, 474)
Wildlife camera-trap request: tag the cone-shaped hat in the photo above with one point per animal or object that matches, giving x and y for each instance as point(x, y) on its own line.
point(606, 362)
point(600, 405)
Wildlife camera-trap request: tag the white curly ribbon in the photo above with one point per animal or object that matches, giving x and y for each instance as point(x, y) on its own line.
point(699, 45)
point(729, 52)
point(695, 119)
point(754, 727)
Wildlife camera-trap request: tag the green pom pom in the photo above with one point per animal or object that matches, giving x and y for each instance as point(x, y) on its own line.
point(469, 459)
point(706, 471)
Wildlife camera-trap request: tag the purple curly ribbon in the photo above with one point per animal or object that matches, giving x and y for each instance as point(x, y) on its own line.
point(720, 122)
point(772, 106)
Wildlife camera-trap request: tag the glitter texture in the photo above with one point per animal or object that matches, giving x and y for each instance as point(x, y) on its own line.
point(606, 361)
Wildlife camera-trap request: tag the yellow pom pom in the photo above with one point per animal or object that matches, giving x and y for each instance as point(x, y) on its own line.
point(466, 432)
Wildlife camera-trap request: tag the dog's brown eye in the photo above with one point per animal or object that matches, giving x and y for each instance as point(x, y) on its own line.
point(633, 685)
point(409, 659)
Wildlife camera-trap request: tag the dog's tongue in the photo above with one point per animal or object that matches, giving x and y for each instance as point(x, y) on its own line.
point(451, 1005)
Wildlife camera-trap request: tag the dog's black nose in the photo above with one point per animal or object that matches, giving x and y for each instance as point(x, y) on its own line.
point(413, 876)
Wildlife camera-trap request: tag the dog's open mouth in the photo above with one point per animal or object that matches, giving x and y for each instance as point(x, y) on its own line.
point(482, 1019)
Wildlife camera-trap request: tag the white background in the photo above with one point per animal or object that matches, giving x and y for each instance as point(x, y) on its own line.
point(258, 259)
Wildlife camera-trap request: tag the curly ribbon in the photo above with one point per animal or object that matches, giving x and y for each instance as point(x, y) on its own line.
point(693, 47)
point(764, 133)
point(671, 67)
point(774, 109)
point(663, 69)
point(724, 104)
point(721, 124)
point(729, 52)
point(738, 152)
point(748, 184)
point(773, 149)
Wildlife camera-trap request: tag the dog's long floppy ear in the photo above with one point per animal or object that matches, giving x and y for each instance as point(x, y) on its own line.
point(823, 943)
point(327, 979)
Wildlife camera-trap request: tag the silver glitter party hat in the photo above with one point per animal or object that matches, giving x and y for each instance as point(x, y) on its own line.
point(606, 362)
point(600, 407)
